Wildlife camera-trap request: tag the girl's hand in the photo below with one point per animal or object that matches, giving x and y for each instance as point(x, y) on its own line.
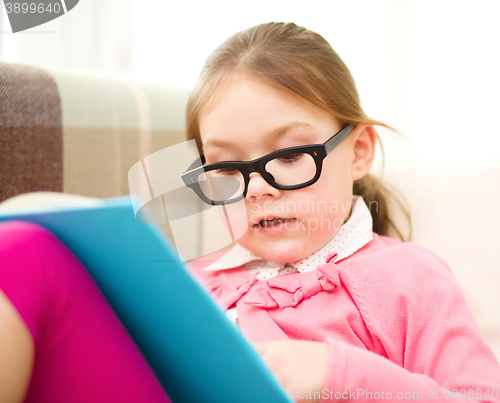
point(299, 365)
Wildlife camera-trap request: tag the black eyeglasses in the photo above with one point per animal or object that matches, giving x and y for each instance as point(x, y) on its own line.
point(287, 169)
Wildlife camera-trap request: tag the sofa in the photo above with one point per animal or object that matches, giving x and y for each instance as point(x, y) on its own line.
point(80, 134)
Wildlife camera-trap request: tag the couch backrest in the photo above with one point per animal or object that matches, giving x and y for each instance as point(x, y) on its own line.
point(80, 134)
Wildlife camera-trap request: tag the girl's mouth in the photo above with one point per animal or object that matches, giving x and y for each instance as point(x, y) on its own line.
point(273, 222)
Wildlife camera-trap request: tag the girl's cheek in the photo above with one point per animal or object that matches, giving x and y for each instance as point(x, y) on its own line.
point(236, 217)
point(231, 219)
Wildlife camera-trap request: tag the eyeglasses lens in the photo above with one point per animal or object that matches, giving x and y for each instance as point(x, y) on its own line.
point(292, 169)
point(222, 184)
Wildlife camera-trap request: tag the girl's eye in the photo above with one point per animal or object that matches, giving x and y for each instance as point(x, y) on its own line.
point(291, 157)
point(227, 171)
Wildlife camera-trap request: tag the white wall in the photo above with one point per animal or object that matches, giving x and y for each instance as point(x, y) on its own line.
point(97, 36)
point(427, 67)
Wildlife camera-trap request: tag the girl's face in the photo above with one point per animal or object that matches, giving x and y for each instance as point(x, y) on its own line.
point(240, 127)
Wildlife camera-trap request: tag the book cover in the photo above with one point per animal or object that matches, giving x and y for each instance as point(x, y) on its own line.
point(196, 352)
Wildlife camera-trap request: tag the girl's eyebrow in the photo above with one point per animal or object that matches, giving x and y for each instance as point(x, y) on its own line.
point(274, 134)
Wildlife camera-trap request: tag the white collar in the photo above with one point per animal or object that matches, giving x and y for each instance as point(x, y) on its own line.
point(351, 237)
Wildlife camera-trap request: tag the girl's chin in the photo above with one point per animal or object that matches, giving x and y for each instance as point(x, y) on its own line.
point(276, 248)
point(281, 253)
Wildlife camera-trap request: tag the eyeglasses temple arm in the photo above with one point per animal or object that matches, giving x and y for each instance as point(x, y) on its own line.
point(334, 142)
point(195, 164)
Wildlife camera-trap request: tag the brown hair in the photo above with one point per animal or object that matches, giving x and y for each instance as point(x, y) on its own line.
point(300, 62)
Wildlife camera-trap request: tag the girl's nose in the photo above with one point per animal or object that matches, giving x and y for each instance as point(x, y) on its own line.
point(258, 187)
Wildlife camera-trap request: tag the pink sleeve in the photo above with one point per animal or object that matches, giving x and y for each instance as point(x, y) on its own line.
point(363, 376)
point(428, 344)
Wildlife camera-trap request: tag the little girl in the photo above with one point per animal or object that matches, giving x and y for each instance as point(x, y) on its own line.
point(337, 311)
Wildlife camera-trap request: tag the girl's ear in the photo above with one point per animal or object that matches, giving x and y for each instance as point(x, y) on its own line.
point(364, 139)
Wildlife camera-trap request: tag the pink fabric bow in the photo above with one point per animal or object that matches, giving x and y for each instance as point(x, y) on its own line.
point(228, 286)
point(290, 289)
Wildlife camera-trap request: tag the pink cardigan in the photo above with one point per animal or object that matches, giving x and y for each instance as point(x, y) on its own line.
point(393, 314)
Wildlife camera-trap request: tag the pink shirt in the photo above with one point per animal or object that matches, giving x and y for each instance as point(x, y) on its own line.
point(393, 315)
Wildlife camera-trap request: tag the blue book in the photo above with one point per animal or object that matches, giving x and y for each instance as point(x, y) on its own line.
point(196, 352)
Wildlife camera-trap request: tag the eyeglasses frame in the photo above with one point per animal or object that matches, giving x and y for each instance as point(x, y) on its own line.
point(317, 151)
